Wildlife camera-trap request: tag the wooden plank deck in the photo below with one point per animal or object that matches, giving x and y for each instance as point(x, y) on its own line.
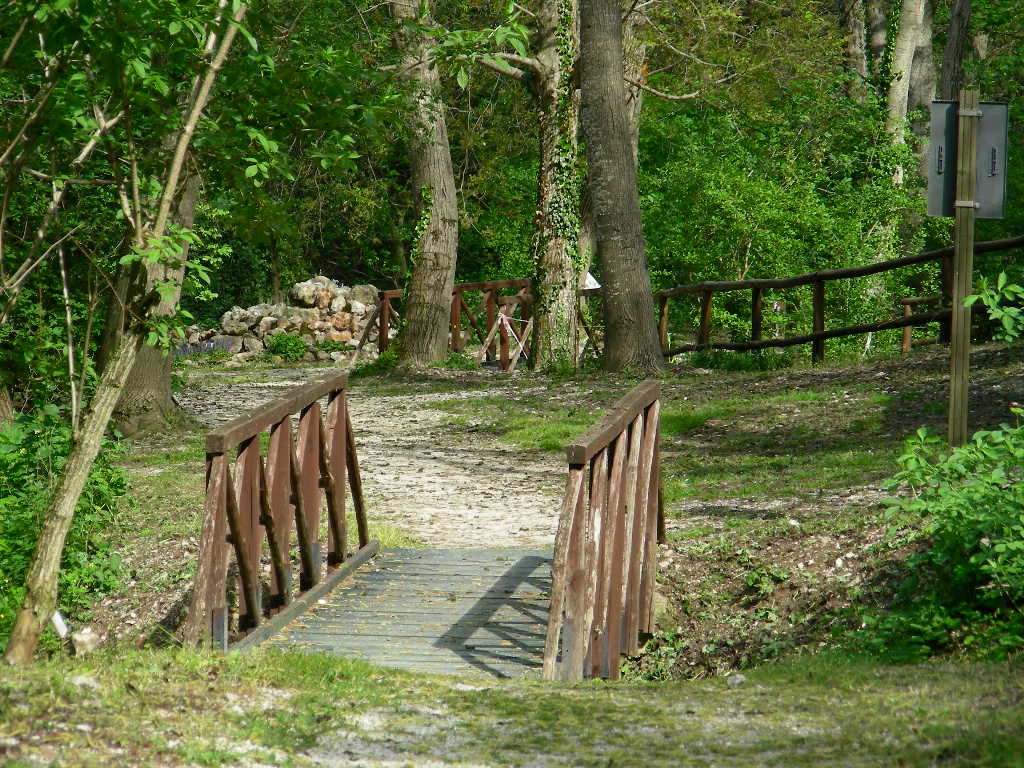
point(449, 611)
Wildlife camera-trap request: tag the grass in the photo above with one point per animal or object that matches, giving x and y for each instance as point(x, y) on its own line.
point(174, 707)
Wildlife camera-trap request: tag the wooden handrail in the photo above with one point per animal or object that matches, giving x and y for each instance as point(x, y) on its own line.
point(264, 496)
point(826, 275)
point(605, 557)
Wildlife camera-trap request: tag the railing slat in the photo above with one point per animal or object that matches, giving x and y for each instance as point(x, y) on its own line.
point(338, 442)
point(573, 490)
point(279, 490)
point(309, 487)
point(247, 489)
point(356, 481)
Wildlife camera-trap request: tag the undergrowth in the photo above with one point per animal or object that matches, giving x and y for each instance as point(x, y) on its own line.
point(33, 451)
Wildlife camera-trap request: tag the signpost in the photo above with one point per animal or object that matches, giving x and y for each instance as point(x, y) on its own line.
point(966, 180)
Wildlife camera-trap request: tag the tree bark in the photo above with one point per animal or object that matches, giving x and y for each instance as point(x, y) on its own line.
point(147, 402)
point(904, 47)
point(953, 53)
point(878, 33)
point(558, 185)
point(922, 71)
point(631, 335)
point(429, 295)
point(852, 16)
point(41, 585)
point(6, 407)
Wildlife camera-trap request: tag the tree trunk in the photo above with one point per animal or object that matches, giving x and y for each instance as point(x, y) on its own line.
point(878, 33)
point(631, 335)
point(904, 47)
point(953, 53)
point(852, 15)
point(41, 585)
point(558, 186)
point(146, 402)
point(922, 71)
point(428, 298)
point(6, 407)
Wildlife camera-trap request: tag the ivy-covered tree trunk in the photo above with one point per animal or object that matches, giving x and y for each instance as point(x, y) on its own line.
point(878, 35)
point(558, 185)
point(631, 335)
point(852, 14)
point(429, 294)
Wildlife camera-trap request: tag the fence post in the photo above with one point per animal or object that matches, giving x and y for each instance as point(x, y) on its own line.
point(385, 319)
point(756, 313)
point(818, 345)
point(492, 315)
point(455, 340)
point(908, 331)
point(704, 332)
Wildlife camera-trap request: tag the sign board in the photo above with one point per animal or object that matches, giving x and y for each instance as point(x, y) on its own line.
point(991, 176)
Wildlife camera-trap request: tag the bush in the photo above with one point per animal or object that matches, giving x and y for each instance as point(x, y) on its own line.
point(33, 451)
point(460, 361)
point(966, 588)
point(288, 346)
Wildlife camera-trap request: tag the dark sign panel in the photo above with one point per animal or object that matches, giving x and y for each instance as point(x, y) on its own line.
point(991, 174)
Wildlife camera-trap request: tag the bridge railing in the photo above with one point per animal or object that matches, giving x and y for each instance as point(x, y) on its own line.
point(605, 557)
point(255, 500)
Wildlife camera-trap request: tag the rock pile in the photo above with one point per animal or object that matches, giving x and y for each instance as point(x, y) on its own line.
point(328, 317)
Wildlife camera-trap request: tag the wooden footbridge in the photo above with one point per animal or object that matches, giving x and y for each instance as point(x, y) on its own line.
point(276, 568)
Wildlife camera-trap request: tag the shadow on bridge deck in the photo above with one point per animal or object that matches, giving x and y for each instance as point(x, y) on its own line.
point(449, 611)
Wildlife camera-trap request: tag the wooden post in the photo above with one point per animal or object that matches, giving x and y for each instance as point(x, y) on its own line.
point(704, 332)
point(663, 321)
point(385, 318)
point(455, 342)
point(756, 313)
point(963, 265)
point(907, 331)
point(945, 329)
point(818, 345)
point(491, 301)
point(503, 344)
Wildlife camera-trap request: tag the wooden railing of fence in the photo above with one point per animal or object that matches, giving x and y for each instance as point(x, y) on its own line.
point(266, 497)
point(707, 289)
point(483, 320)
point(605, 556)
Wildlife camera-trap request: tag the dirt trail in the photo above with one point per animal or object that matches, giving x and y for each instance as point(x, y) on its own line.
point(442, 486)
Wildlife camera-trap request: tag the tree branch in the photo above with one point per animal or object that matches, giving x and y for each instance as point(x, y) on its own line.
point(508, 69)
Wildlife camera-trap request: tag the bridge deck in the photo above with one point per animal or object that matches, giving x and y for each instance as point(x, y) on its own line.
point(450, 611)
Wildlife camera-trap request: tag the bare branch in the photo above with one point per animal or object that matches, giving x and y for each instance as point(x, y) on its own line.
point(662, 94)
point(75, 405)
point(526, 62)
point(5, 60)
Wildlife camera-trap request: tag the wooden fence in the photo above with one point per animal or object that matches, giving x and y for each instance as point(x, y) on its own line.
point(502, 323)
point(265, 497)
point(817, 280)
point(605, 555)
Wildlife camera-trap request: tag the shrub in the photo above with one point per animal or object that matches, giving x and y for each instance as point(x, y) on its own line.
point(33, 451)
point(460, 361)
point(288, 346)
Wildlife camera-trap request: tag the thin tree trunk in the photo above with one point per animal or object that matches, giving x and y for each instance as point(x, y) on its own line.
point(41, 585)
point(428, 299)
point(953, 53)
point(631, 335)
point(558, 185)
point(6, 407)
point(922, 84)
point(852, 15)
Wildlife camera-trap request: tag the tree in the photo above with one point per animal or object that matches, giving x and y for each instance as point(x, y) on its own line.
point(953, 51)
point(94, 32)
point(428, 299)
point(631, 337)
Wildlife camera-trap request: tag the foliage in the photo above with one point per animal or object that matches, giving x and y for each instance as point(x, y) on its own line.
point(460, 361)
point(33, 450)
point(289, 346)
point(1002, 302)
point(385, 362)
point(965, 589)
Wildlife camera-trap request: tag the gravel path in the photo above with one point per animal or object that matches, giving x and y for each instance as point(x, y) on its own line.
point(443, 485)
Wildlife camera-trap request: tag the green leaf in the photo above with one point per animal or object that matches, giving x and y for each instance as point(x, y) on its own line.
point(174, 28)
point(462, 78)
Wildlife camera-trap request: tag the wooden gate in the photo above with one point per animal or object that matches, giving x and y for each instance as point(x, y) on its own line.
point(262, 499)
point(605, 555)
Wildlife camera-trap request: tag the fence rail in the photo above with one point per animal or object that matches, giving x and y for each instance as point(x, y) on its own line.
point(605, 556)
point(265, 497)
point(817, 280)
